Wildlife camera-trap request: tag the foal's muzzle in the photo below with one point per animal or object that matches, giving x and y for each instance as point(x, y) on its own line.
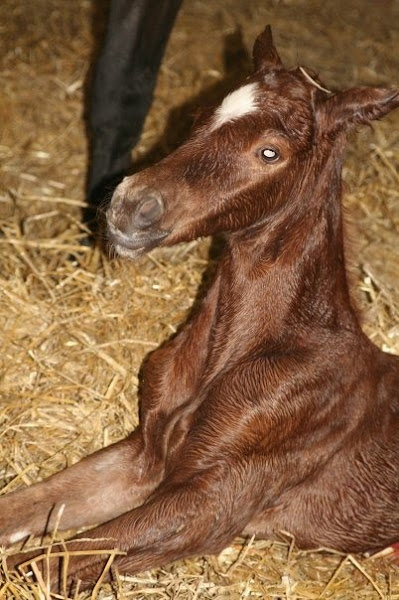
point(133, 219)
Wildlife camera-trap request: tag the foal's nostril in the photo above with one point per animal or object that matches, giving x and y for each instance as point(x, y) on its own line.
point(149, 211)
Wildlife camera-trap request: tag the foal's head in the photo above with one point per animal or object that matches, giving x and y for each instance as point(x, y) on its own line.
point(246, 160)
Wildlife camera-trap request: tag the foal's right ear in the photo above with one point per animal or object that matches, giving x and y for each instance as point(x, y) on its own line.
point(265, 55)
point(358, 106)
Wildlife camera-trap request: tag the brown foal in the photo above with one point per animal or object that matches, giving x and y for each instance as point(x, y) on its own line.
point(270, 410)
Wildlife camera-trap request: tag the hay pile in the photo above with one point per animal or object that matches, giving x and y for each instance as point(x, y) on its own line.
point(76, 327)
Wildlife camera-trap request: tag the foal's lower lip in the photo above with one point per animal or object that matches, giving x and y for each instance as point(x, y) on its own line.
point(126, 252)
point(137, 245)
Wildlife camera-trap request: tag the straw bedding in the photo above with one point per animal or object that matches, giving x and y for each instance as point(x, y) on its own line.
point(76, 326)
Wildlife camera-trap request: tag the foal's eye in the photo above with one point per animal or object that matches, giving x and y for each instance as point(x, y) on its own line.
point(269, 154)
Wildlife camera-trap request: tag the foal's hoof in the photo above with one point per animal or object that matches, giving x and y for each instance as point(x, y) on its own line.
point(62, 569)
point(395, 553)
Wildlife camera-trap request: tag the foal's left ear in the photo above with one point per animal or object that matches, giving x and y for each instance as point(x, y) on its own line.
point(265, 55)
point(358, 106)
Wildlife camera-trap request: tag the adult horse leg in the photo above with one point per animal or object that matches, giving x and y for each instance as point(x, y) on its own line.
point(124, 80)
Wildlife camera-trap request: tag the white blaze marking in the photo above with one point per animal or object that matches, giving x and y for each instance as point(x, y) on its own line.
point(18, 536)
point(237, 104)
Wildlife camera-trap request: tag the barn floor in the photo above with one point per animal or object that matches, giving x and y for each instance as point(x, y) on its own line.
point(76, 326)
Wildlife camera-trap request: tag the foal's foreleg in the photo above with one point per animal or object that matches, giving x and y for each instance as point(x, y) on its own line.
point(120, 477)
point(200, 516)
point(98, 488)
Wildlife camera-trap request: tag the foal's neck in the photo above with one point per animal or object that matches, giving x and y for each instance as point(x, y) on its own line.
point(286, 280)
